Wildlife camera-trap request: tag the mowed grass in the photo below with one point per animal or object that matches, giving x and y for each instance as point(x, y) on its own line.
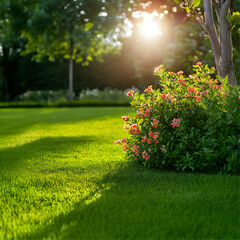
point(61, 177)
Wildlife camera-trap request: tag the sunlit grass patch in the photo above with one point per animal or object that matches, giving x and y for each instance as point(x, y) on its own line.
point(61, 177)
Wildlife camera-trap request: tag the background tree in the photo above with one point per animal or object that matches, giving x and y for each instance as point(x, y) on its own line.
point(220, 36)
point(77, 30)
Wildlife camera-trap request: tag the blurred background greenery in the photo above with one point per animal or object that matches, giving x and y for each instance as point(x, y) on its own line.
point(109, 51)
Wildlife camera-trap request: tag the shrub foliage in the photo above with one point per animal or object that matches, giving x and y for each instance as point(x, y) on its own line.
point(188, 124)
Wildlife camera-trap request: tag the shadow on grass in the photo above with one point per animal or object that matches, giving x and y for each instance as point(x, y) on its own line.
point(150, 204)
point(44, 152)
point(17, 121)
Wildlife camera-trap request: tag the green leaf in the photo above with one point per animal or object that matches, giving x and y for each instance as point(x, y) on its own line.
point(234, 19)
point(88, 26)
point(187, 9)
point(225, 80)
point(195, 3)
point(219, 78)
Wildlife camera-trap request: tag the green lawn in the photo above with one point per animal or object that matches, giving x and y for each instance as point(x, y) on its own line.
point(61, 177)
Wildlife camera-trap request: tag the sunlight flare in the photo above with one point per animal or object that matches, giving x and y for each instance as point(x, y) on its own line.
point(150, 28)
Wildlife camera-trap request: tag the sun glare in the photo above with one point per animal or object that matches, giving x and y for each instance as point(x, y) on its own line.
point(150, 28)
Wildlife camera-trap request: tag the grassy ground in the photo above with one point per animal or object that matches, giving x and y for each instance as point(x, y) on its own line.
point(61, 177)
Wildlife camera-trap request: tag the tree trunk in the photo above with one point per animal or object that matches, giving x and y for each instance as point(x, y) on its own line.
point(226, 44)
point(210, 26)
point(71, 70)
point(221, 46)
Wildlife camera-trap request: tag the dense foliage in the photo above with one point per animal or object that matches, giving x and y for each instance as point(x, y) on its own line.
point(190, 123)
point(182, 43)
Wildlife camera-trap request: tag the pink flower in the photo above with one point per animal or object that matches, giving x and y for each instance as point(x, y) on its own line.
point(150, 133)
point(145, 155)
point(172, 73)
point(198, 98)
point(157, 69)
point(147, 113)
point(137, 131)
point(125, 118)
point(155, 123)
point(117, 142)
point(192, 89)
point(199, 64)
point(179, 73)
point(149, 89)
point(175, 122)
point(163, 96)
point(149, 140)
point(139, 113)
point(181, 82)
point(130, 93)
point(134, 129)
point(125, 147)
point(144, 138)
point(135, 149)
point(155, 136)
point(206, 92)
point(122, 141)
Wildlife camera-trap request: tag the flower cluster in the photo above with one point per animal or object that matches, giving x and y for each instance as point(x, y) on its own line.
point(135, 149)
point(130, 93)
point(181, 82)
point(149, 89)
point(144, 113)
point(122, 141)
point(175, 122)
point(125, 118)
point(145, 155)
point(154, 123)
point(134, 129)
point(180, 73)
point(190, 123)
point(157, 69)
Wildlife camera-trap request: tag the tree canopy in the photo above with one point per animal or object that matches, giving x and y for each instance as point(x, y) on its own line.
point(86, 31)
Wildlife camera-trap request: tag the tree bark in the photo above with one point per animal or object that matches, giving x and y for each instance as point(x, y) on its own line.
point(71, 70)
point(226, 44)
point(215, 42)
point(222, 45)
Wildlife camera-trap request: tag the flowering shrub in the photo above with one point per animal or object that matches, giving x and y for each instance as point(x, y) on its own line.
point(189, 123)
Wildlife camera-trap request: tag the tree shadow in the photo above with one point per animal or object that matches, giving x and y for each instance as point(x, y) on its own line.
point(45, 151)
point(17, 121)
point(160, 205)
